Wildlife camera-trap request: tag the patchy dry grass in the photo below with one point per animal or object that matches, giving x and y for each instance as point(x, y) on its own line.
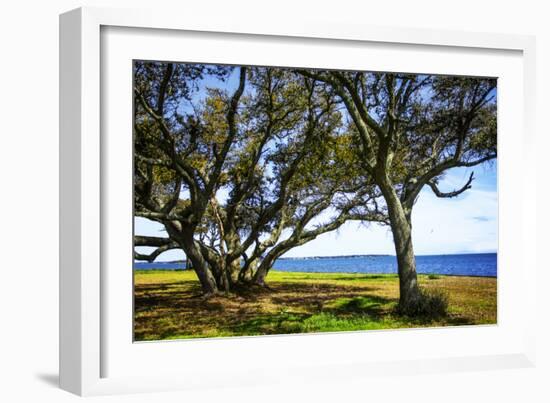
point(168, 305)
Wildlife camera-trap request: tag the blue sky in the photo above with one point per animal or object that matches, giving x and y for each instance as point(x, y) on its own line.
point(465, 224)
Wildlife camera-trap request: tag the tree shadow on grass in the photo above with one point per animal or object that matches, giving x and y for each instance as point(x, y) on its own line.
point(343, 276)
point(174, 311)
point(365, 304)
point(313, 296)
point(277, 323)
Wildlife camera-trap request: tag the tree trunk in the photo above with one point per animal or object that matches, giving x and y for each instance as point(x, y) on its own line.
point(409, 293)
point(263, 269)
point(234, 269)
point(233, 266)
point(246, 273)
point(217, 268)
point(199, 264)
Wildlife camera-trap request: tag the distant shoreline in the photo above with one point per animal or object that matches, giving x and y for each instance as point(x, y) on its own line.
point(341, 257)
point(379, 255)
point(328, 274)
point(476, 265)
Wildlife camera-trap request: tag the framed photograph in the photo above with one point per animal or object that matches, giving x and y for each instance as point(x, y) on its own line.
point(243, 203)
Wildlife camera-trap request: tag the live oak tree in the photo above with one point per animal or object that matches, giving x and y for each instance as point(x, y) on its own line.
point(293, 166)
point(274, 145)
point(411, 129)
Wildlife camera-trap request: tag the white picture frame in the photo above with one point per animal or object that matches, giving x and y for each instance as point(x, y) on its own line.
point(88, 336)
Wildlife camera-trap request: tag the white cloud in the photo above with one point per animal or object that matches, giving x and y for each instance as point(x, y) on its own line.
point(465, 224)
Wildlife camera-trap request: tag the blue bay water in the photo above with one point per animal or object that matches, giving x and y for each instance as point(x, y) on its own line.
point(473, 264)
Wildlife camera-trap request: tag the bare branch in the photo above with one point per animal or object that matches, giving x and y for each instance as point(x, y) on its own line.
point(140, 240)
point(437, 170)
point(163, 87)
point(155, 216)
point(432, 184)
point(153, 255)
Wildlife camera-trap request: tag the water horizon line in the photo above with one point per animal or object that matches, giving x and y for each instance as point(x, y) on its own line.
point(343, 256)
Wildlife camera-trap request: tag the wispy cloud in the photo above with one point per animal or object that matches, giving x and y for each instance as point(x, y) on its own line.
point(481, 218)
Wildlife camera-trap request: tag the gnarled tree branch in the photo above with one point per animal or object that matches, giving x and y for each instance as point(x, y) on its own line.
point(152, 256)
point(433, 185)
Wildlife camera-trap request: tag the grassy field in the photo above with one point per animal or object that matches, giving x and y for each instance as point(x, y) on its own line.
point(168, 305)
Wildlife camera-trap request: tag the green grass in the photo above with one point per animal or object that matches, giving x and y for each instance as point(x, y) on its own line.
point(168, 305)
